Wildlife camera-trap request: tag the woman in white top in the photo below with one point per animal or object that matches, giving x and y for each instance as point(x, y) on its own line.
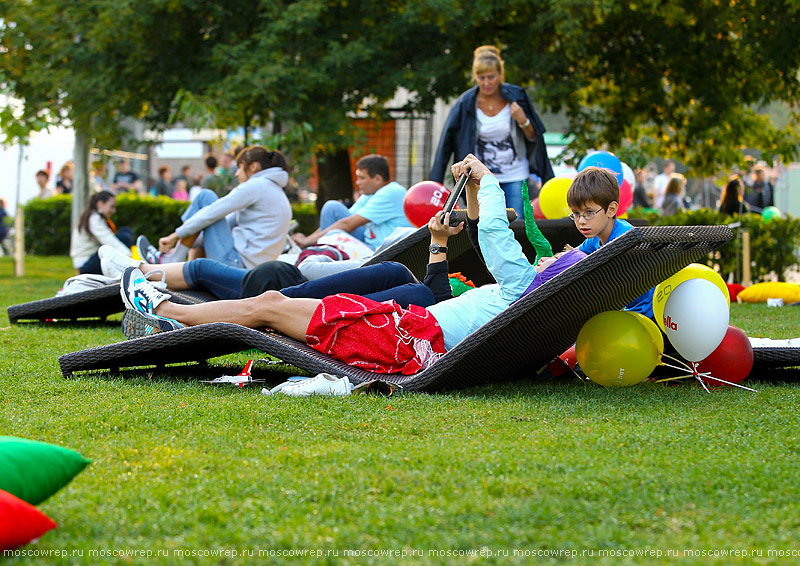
point(95, 229)
point(259, 210)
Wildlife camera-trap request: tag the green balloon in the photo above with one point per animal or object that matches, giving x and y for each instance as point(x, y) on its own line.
point(771, 212)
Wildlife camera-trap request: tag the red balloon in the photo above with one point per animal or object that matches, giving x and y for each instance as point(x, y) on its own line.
point(625, 197)
point(537, 210)
point(563, 363)
point(731, 361)
point(424, 200)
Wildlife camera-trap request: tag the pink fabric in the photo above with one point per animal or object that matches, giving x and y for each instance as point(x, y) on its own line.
point(377, 337)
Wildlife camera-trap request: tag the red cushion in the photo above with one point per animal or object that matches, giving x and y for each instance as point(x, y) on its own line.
point(20, 522)
point(733, 289)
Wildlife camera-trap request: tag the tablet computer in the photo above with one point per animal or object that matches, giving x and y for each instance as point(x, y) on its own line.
point(450, 203)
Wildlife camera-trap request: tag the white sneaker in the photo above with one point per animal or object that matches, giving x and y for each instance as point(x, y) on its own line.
point(113, 263)
point(322, 384)
point(291, 381)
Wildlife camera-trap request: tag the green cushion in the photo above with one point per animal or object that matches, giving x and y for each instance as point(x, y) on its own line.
point(20, 522)
point(33, 471)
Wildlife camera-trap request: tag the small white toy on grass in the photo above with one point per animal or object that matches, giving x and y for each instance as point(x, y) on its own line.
point(241, 379)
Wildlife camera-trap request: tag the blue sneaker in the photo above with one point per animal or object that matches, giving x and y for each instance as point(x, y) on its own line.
point(147, 251)
point(142, 297)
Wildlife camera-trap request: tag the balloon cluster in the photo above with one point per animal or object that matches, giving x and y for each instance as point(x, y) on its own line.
point(552, 200)
point(693, 309)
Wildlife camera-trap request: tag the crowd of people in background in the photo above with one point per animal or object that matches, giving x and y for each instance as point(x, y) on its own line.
point(739, 192)
point(664, 191)
point(218, 175)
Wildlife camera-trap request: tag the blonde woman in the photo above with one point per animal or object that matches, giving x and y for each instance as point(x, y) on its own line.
point(495, 121)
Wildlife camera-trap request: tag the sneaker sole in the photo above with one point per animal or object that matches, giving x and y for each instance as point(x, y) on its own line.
point(125, 282)
point(138, 325)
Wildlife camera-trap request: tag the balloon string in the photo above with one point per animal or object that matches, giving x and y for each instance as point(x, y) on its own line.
point(708, 375)
point(703, 383)
point(673, 378)
point(677, 361)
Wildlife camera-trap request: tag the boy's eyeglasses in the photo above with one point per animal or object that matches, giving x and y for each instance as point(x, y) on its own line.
point(588, 215)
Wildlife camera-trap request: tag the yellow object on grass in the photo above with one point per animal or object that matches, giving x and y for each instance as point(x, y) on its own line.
point(760, 292)
point(135, 253)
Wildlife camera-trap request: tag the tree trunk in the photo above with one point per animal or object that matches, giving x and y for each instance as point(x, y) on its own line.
point(335, 178)
point(80, 183)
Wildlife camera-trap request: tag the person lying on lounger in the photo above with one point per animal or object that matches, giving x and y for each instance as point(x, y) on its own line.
point(381, 337)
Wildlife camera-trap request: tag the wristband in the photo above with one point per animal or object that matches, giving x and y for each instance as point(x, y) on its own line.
point(526, 124)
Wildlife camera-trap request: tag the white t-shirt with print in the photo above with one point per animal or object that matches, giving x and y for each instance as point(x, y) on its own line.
point(495, 147)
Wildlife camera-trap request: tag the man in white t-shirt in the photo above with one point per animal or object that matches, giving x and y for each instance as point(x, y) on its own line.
point(660, 183)
point(376, 213)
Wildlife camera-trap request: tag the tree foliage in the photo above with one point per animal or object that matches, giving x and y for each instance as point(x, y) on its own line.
point(94, 63)
point(674, 79)
point(644, 78)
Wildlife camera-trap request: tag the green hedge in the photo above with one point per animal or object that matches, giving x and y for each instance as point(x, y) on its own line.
point(47, 221)
point(774, 243)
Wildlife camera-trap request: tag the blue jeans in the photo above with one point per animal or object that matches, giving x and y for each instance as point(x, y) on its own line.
point(513, 192)
point(217, 237)
point(380, 282)
point(220, 279)
point(332, 211)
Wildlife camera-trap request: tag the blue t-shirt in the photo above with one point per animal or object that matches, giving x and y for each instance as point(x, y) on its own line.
point(384, 210)
point(642, 304)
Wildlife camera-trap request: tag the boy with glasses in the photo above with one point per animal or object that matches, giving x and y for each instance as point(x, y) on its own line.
point(593, 198)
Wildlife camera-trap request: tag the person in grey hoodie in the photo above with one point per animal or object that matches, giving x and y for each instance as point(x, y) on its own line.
point(259, 208)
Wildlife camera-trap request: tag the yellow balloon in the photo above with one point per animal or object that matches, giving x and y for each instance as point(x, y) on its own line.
point(655, 333)
point(616, 350)
point(691, 271)
point(553, 198)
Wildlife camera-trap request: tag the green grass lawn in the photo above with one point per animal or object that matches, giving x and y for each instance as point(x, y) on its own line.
point(533, 466)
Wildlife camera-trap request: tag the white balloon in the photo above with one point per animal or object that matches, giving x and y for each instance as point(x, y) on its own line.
point(628, 175)
point(696, 317)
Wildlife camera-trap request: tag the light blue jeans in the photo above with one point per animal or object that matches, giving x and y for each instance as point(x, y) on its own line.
point(334, 210)
point(513, 192)
point(217, 237)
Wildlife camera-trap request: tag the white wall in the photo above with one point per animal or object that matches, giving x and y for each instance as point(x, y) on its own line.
point(787, 193)
point(55, 146)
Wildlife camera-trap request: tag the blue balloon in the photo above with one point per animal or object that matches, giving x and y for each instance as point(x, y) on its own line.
point(604, 160)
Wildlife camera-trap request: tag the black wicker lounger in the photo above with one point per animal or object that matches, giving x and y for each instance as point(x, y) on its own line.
point(766, 358)
point(411, 251)
point(514, 344)
point(93, 304)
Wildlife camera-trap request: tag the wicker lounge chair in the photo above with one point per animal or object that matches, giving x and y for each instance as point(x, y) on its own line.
point(514, 344)
point(93, 304)
point(767, 358)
